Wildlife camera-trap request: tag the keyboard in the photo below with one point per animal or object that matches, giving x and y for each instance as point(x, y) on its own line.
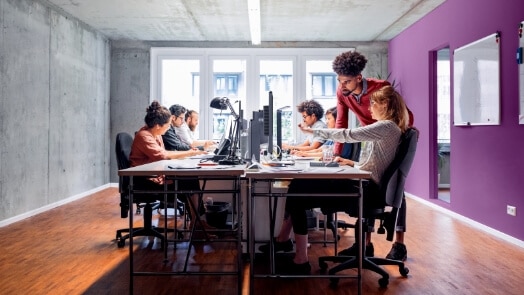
point(322, 164)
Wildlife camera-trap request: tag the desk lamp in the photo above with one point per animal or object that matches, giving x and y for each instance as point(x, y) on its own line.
point(222, 103)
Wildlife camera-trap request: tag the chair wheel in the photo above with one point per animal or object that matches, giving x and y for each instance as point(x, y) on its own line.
point(383, 282)
point(403, 271)
point(323, 265)
point(121, 243)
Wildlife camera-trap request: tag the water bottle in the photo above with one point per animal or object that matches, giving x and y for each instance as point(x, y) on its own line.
point(327, 152)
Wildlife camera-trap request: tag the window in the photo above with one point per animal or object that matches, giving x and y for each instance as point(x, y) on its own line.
point(193, 76)
point(323, 84)
point(226, 84)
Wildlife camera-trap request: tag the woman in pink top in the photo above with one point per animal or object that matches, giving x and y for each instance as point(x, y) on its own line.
point(148, 147)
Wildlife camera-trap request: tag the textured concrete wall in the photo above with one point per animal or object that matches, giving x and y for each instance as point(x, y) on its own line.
point(130, 77)
point(54, 115)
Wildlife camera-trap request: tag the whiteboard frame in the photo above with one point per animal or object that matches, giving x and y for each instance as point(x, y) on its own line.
point(470, 52)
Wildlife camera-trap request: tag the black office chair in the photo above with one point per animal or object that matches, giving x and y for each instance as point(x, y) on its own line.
point(147, 201)
point(392, 190)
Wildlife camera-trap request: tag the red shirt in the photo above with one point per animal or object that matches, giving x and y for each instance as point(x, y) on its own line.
point(359, 108)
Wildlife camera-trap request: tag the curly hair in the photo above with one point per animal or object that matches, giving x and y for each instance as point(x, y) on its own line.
point(156, 114)
point(350, 63)
point(311, 107)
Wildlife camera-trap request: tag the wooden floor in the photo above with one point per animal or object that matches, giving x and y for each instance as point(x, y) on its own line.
point(71, 250)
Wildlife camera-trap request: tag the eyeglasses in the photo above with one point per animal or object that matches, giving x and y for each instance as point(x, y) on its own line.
point(305, 116)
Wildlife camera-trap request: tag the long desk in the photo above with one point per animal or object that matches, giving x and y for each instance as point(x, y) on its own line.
point(176, 170)
point(271, 175)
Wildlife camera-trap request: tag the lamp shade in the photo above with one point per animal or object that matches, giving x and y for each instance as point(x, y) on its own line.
point(219, 103)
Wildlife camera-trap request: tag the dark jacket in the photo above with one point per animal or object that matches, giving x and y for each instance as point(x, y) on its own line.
point(173, 142)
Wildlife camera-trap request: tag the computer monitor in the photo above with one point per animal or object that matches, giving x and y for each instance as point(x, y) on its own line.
point(268, 123)
point(256, 135)
point(279, 133)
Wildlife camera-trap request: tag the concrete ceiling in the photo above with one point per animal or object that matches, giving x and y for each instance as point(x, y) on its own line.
point(227, 20)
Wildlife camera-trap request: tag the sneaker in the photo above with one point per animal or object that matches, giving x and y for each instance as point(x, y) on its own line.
point(286, 246)
point(398, 252)
point(353, 250)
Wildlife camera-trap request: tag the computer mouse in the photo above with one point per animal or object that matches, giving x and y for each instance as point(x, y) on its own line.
point(332, 164)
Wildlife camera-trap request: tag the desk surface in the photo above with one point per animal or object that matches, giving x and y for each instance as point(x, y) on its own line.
point(342, 172)
point(189, 167)
point(186, 167)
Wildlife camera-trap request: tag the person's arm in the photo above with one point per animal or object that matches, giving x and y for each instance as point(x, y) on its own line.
point(184, 154)
point(156, 151)
point(342, 119)
point(203, 144)
point(343, 161)
point(312, 153)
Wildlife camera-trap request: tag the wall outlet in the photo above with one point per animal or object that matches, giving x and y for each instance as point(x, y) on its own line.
point(511, 210)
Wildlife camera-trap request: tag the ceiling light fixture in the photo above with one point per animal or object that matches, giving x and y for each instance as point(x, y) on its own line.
point(253, 8)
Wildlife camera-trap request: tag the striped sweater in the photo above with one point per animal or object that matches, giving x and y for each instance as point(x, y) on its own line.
point(379, 144)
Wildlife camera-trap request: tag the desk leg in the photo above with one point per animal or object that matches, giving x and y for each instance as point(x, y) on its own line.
point(131, 270)
point(165, 242)
point(360, 235)
point(251, 226)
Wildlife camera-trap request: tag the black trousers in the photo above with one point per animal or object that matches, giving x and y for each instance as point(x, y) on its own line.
point(143, 183)
point(296, 206)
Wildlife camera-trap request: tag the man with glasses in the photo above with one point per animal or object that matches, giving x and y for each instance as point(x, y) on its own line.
point(185, 132)
point(172, 140)
point(311, 112)
point(354, 94)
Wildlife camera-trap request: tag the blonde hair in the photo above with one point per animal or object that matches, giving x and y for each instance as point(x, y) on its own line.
point(396, 109)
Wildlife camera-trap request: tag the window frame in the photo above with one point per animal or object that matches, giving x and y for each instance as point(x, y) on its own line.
point(252, 56)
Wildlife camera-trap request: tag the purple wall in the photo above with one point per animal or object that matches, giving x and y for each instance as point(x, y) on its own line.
point(487, 162)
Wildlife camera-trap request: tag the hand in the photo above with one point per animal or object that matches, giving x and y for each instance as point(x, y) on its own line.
point(209, 145)
point(196, 152)
point(304, 128)
point(300, 153)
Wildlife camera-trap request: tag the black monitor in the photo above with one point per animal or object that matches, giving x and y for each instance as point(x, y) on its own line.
point(279, 132)
point(268, 123)
point(256, 135)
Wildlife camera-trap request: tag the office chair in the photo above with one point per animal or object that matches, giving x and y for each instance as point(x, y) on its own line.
point(147, 201)
point(392, 189)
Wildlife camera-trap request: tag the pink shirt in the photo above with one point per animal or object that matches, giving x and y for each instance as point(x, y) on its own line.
point(146, 148)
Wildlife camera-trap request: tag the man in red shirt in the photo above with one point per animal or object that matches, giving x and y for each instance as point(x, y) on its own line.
point(353, 94)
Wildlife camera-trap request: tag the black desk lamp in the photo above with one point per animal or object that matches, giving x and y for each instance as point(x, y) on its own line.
point(222, 103)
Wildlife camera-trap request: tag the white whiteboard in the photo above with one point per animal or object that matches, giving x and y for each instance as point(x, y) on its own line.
point(521, 77)
point(476, 83)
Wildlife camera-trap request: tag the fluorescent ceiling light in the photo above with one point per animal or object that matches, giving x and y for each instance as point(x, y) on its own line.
point(253, 8)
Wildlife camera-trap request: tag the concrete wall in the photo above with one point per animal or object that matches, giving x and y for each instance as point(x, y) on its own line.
point(54, 114)
point(130, 76)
